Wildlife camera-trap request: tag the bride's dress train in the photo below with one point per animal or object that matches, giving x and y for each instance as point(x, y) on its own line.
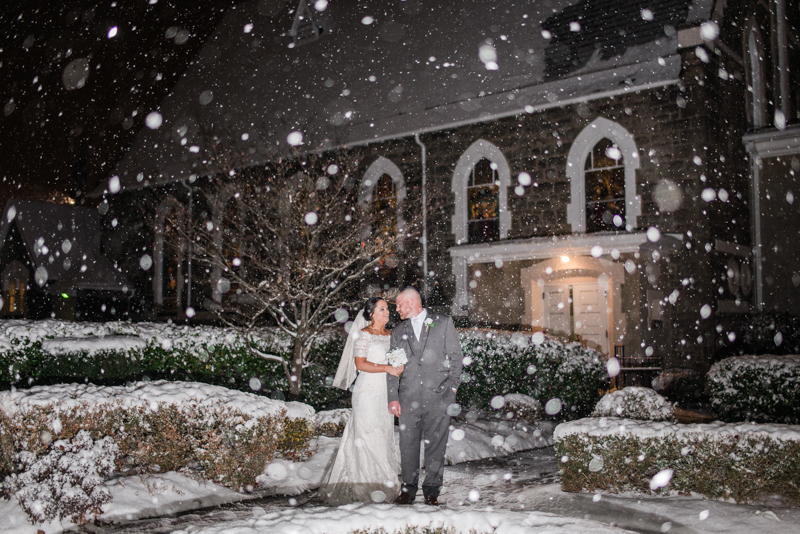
point(366, 465)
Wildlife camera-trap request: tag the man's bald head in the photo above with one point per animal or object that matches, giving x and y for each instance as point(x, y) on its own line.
point(409, 303)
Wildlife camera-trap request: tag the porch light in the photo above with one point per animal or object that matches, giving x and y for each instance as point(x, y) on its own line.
point(565, 259)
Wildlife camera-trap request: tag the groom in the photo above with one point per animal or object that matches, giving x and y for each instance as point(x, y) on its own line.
point(421, 397)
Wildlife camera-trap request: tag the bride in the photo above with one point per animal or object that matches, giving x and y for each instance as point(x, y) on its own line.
point(366, 465)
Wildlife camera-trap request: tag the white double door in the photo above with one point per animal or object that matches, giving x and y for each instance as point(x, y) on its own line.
point(578, 308)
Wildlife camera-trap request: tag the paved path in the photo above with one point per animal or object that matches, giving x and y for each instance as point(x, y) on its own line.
point(525, 481)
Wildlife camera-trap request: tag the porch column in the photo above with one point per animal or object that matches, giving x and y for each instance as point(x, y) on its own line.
point(461, 299)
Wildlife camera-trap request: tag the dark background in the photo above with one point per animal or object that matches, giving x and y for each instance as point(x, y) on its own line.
point(57, 144)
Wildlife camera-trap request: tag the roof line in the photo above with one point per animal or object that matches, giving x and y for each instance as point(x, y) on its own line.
point(456, 124)
point(502, 115)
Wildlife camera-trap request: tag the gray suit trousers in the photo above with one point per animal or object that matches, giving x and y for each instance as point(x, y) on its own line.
point(426, 420)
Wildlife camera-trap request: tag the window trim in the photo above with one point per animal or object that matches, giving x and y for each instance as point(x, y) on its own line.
point(378, 168)
point(754, 57)
point(584, 143)
point(480, 149)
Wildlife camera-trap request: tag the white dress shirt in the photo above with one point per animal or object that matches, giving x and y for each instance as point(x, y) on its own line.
point(418, 321)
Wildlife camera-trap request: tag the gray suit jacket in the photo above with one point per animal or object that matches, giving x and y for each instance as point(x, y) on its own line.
point(434, 362)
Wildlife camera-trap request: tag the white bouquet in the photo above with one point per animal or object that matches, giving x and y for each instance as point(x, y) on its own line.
point(396, 357)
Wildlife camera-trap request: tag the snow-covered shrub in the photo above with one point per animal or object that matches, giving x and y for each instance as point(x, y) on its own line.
point(331, 423)
point(523, 407)
point(6, 446)
point(499, 363)
point(634, 403)
point(294, 439)
point(410, 529)
point(116, 352)
point(235, 449)
point(764, 389)
point(162, 426)
point(743, 462)
point(67, 482)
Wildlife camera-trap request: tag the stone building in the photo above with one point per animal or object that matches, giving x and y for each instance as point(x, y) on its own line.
point(622, 172)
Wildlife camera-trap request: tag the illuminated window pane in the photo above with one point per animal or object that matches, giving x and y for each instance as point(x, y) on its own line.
point(605, 188)
point(483, 201)
point(384, 206)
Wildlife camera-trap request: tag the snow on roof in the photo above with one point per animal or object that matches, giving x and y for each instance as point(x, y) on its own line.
point(383, 70)
point(149, 395)
point(63, 244)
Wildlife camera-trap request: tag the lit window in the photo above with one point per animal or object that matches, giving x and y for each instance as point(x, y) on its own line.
point(483, 201)
point(604, 172)
point(384, 206)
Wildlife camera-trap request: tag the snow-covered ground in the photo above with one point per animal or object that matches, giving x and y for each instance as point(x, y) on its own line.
point(502, 478)
point(516, 493)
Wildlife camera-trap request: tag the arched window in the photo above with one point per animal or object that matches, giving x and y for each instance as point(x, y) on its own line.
point(605, 187)
point(15, 285)
point(480, 185)
point(483, 203)
point(173, 262)
point(383, 190)
point(755, 78)
point(169, 252)
point(601, 167)
point(384, 206)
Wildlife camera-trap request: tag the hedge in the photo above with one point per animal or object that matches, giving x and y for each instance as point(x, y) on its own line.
point(764, 389)
point(229, 439)
point(720, 461)
point(497, 363)
point(513, 363)
point(42, 352)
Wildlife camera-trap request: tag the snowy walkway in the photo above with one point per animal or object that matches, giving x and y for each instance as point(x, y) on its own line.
point(530, 501)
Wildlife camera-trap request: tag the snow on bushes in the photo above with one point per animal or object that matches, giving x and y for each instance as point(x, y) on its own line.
point(116, 352)
point(331, 423)
point(523, 407)
point(66, 482)
point(743, 462)
point(764, 389)
point(634, 403)
point(228, 436)
point(498, 364)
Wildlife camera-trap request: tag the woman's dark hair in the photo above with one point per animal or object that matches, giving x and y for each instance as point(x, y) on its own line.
point(369, 307)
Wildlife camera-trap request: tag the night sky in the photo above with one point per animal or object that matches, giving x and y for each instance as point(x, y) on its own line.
point(62, 130)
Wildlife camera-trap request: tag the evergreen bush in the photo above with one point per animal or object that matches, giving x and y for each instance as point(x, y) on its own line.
point(496, 363)
point(763, 389)
point(500, 364)
point(718, 461)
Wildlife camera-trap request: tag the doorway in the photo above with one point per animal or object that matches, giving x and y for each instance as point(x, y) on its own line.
point(578, 308)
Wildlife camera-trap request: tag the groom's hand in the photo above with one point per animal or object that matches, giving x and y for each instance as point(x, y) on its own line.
point(394, 408)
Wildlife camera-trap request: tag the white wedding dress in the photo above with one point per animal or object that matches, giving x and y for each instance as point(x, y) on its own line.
point(366, 466)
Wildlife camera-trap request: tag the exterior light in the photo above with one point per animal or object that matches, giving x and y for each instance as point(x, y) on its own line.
point(565, 259)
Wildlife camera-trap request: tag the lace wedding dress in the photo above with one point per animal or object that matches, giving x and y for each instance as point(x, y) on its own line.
point(366, 465)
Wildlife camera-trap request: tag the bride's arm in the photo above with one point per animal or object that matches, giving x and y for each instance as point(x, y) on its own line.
point(368, 367)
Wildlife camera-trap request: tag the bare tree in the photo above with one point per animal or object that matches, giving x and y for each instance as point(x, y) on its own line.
point(292, 243)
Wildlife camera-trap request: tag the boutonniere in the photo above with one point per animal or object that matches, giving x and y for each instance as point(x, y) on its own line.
point(429, 323)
